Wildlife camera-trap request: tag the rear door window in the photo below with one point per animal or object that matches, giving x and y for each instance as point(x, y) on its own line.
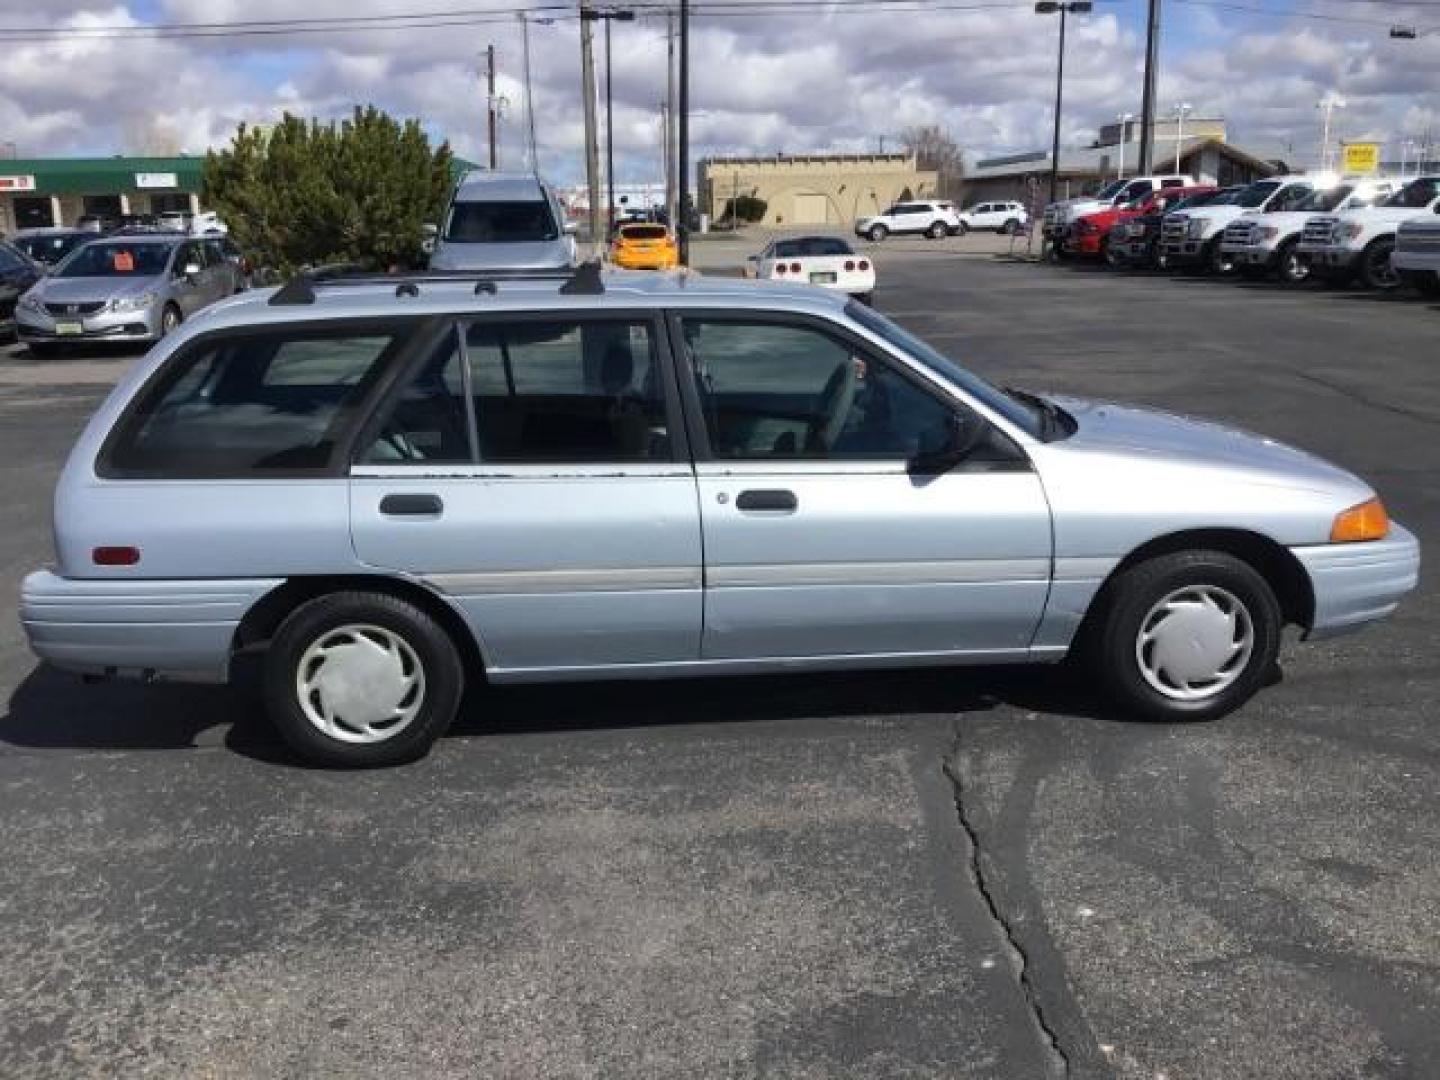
point(279, 402)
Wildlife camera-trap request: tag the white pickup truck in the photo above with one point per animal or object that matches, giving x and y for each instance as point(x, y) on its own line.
point(1262, 242)
point(1194, 237)
point(1417, 253)
point(1340, 246)
point(1059, 216)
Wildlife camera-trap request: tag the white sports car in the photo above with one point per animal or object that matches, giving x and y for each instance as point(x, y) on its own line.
point(827, 261)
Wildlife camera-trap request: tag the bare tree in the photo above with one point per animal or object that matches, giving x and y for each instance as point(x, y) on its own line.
point(935, 148)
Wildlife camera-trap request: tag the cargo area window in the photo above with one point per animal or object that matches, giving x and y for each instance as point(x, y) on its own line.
point(254, 404)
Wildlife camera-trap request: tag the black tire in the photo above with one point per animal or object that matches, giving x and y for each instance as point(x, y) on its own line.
point(936, 231)
point(960, 230)
point(877, 233)
point(1375, 269)
point(1129, 600)
point(868, 299)
point(1109, 256)
point(1057, 249)
point(1159, 260)
point(308, 625)
point(1216, 261)
point(1291, 267)
point(170, 319)
point(1011, 227)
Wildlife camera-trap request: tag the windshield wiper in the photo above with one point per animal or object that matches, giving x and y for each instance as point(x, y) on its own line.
point(1048, 411)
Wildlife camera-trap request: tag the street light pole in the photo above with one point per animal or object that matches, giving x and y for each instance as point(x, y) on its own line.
point(1181, 110)
point(1147, 104)
point(609, 135)
point(1064, 8)
point(1125, 119)
point(682, 168)
point(1328, 104)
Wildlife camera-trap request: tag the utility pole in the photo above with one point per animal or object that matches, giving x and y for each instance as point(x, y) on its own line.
point(492, 105)
point(592, 147)
point(683, 168)
point(665, 160)
point(529, 95)
point(1147, 104)
point(609, 133)
point(671, 199)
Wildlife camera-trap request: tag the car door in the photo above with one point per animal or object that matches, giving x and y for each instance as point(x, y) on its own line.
point(910, 217)
point(188, 290)
point(985, 216)
point(533, 469)
point(820, 539)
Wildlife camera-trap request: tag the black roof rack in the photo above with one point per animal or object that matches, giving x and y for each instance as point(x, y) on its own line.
point(582, 280)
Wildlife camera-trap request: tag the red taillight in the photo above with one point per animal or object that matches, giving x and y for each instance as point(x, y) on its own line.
point(864, 264)
point(779, 268)
point(849, 266)
point(115, 556)
point(794, 268)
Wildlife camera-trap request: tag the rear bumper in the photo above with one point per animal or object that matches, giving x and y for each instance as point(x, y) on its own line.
point(1356, 584)
point(181, 630)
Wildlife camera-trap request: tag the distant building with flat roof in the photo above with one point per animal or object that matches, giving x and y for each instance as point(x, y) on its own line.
point(37, 192)
point(813, 189)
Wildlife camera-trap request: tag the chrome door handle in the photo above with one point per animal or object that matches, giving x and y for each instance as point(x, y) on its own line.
point(774, 499)
point(412, 504)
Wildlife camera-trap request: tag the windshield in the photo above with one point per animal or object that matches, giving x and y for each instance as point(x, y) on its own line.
point(116, 260)
point(50, 249)
point(518, 222)
point(1324, 200)
point(812, 245)
point(644, 232)
point(1110, 190)
point(1416, 195)
point(1255, 195)
point(1022, 416)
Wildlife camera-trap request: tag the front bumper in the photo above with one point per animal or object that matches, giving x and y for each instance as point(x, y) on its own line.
point(1258, 255)
point(180, 630)
point(1078, 243)
point(1332, 257)
point(1356, 584)
point(143, 325)
point(1416, 260)
point(1180, 252)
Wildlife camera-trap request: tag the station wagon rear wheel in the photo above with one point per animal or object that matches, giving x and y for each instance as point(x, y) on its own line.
point(357, 679)
point(1188, 636)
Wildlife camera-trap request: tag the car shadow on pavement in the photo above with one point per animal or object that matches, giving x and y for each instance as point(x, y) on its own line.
point(53, 710)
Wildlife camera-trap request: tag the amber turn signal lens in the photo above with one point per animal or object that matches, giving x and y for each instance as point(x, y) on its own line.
point(1368, 521)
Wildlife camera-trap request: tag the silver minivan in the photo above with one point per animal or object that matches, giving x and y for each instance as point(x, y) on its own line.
point(132, 288)
point(503, 221)
point(393, 487)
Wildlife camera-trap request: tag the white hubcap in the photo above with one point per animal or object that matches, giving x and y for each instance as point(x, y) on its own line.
point(360, 683)
point(1195, 642)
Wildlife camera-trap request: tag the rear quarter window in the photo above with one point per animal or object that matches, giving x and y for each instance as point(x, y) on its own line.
point(254, 405)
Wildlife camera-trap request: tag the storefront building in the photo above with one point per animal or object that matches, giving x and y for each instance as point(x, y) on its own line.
point(38, 192)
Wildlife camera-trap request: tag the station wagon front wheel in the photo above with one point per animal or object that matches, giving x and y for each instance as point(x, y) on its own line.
point(1188, 636)
point(357, 679)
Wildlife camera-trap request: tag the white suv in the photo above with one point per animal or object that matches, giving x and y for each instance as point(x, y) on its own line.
point(1059, 216)
point(932, 219)
point(1004, 217)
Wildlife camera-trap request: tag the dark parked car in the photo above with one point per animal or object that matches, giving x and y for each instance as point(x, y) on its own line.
point(17, 273)
point(47, 246)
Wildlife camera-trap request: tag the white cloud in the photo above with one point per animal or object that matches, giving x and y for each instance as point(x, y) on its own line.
point(760, 84)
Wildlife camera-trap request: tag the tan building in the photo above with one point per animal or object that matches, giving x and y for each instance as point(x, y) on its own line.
point(813, 189)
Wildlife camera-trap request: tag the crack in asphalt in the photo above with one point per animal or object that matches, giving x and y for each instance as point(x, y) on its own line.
point(1058, 1061)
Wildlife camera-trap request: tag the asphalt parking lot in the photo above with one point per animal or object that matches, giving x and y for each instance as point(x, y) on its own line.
point(944, 874)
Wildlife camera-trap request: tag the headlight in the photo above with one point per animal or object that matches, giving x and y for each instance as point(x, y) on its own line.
point(133, 303)
point(1351, 229)
point(1197, 228)
point(32, 302)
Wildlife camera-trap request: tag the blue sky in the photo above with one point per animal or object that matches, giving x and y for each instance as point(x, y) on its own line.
point(821, 81)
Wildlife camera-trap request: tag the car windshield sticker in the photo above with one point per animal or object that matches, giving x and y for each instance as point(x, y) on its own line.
point(124, 262)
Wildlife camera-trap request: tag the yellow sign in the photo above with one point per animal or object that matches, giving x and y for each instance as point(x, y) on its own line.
point(1362, 158)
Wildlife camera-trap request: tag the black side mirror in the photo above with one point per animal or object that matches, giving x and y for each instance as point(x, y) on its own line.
point(964, 432)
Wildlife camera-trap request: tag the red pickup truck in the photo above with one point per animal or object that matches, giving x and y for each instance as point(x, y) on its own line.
point(1090, 235)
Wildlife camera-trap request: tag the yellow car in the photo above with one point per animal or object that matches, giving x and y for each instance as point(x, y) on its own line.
point(644, 246)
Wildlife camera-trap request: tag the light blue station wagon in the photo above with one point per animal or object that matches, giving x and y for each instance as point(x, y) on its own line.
point(392, 486)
